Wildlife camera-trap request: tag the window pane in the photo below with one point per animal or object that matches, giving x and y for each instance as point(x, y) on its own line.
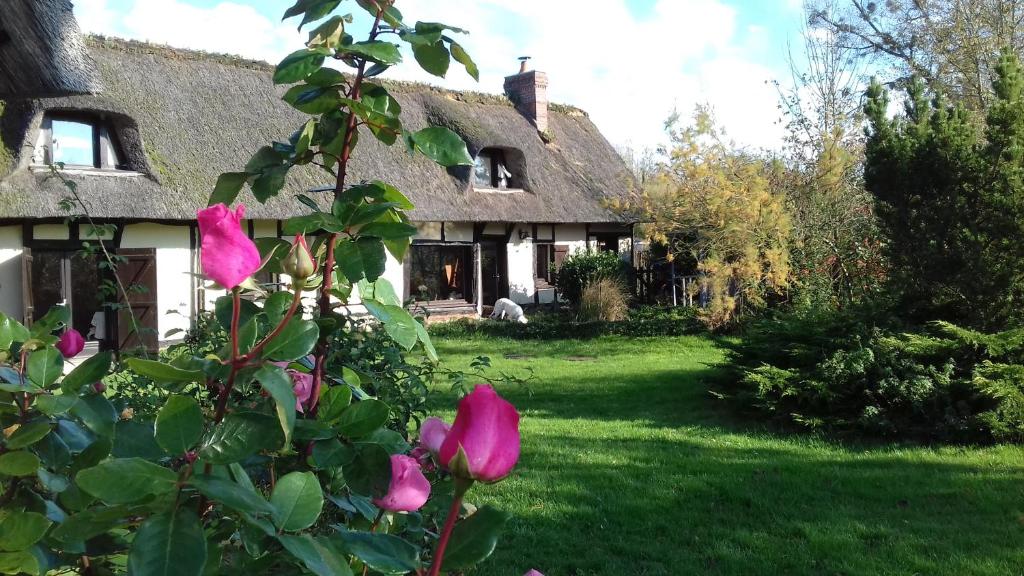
point(73, 143)
point(482, 171)
point(47, 282)
point(86, 307)
point(439, 272)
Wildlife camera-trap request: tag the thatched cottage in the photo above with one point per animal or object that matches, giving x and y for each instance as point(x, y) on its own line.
point(144, 131)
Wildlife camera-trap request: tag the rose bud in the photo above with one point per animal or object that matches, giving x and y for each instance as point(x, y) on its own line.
point(299, 263)
point(302, 384)
point(483, 443)
point(533, 573)
point(227, 255)
point(70, 343)
point(99, 387)
point(409, 488)
point(432, 434)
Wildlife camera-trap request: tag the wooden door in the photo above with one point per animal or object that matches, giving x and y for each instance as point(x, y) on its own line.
point(26, 286)
point(493, 270)
point(137, 273)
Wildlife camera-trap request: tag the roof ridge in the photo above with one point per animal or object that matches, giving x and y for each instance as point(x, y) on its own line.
point(128, 45)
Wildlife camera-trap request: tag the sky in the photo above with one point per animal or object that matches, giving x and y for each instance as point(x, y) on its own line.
point(628, 63)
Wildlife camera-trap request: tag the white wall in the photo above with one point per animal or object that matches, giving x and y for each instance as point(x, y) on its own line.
point(10, 271)
point(572, 235)
point(458, 231)
point(174, 265)
point(520, 266)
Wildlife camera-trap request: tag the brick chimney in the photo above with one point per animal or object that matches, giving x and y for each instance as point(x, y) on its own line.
point(529, 91)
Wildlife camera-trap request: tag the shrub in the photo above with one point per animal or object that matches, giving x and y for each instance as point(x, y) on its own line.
point(604, 299)
point(856, 371)
point(581, 268)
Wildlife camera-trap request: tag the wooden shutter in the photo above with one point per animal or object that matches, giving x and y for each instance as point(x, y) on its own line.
point(137, 273)
point(561, 251)
point(26, 286)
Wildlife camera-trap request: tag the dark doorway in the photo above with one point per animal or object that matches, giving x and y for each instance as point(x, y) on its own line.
point(71, 279)
point(137, 321)
point(493, 269)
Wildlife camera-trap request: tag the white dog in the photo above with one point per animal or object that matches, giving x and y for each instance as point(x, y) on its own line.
point(505, 309)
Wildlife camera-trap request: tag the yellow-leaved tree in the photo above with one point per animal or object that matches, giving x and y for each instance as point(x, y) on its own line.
point(716, 204)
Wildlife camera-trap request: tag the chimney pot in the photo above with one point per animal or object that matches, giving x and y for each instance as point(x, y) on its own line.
point(528, 90)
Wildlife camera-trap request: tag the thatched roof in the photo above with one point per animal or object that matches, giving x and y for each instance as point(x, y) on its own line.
point(41, 50)
point(183, 117)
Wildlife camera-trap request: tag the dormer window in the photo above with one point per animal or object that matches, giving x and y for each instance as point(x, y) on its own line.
point(493, 170)
point(77, 141)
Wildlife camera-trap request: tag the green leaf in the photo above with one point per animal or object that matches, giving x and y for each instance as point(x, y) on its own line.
point(398, 247)
point(428, 346)
point(317, 555)
point(231, 494)
point(97, 413)
point(433, 58)
point(311, 223)
point(135, 439)
point(264, 158)
point(377, 99)
point(328, 34)
point(333, 400)
point(305, 138)
point(19, 530)
point(44, 366)
point(313, 10)
point(383, 553)
point(18, 463)
point(279, 385)
point(363, 417)
point(270, 182)
point(11, 331)
point(21, 562)
point(56, 317)
point(374, 260)
point(377, 51)
point(299, 64)
point(90, 371)
point(295, 341)
point(125, 480)
point(313, 99)
point(239, 436)
point(474, 539)
point(179, 424)
point(169, 544)
point(52, 405)
point(297, 499)
point(349, 260)
point(398, 323)
point(369, 473)
point(388, 230)
point(442, 146)
point(160, 372)
point(91, 523)
point(229, 185)
point(28, 434)
point(388, 439)
point(331, 453)
point(462, 57)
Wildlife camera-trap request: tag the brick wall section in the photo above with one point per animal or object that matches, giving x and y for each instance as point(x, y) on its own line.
point(529, 91)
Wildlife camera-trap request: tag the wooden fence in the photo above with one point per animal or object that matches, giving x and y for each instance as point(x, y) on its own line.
point(656, 282)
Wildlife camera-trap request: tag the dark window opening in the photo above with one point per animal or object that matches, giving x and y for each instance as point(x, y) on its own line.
point(70, 279)
point(544, 265)
point(607, 243)
point(491, 170)
point(78, 141)
point(438, 272)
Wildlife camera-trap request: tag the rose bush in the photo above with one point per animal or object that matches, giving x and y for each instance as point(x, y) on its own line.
point(268, 448)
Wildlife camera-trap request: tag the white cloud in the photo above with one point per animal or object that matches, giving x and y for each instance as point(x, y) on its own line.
point(629, 73)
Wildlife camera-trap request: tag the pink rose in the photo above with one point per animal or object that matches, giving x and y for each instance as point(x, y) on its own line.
point(533, 573)
point(70, 343)
point(432, 434)
point(227, 254)
point(409, 488)
point(486, 430)
point(302, 383)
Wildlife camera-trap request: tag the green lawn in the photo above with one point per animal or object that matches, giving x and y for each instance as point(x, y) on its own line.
point(629, 467)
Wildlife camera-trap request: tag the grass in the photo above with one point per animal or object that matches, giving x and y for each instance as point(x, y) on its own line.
point(630, 467)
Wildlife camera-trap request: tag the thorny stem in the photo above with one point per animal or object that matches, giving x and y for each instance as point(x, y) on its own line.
point(324, 302)
point(296, 300)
